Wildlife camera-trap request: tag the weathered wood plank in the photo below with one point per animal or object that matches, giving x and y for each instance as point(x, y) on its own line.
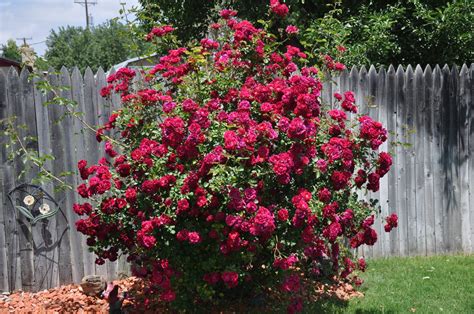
point(78, 133)
point(382, 115)
point(370, 105)
point(326, 94)
point(352, 84)
point(90, 148)
point(419, 170)
point(100, 104)
point(4, 286)
point(343, 84)
point(30, 233)
point(59, 148)
point(409, 119)
point(454, 210)
point(67, 124)
point(391, 124)
point(4, 280)
point(401, 106)
point(3, 115)
point(437, 153)
point(25, 254)
point(335, 87)
point(427, 146)
point(46, 251)
point(448, 195)
point(110, 106)
point(471, 154)
point(11, 232)
point(364, 99)
point(450, 152)
point(464, 100)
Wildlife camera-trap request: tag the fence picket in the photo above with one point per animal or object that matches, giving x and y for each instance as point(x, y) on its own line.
point(427, 117)
point(438, 153)
point(4, 261)
point(455, 215)
point(391, 108)
point(400, 166)
point(3, 245)
point(59, 142)
point(409, 118)
point(419, 170)
point(470, 86)
point(383, 195)
point(22, 275)
point(90, 148)
point(463, 144)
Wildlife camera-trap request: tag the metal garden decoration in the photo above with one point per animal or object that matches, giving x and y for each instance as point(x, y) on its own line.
point(33, 202)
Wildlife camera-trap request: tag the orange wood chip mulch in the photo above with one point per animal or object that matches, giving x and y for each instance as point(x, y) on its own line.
point(64, 299)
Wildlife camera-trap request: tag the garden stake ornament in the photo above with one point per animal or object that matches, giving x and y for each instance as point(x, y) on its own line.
point(33, 202)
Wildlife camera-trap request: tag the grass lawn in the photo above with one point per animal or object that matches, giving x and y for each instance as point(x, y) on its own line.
point(438, 284)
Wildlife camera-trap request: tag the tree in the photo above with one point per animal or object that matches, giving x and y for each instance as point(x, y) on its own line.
point(191, 18)
point(11, 51)
point(376, 32)
point(102, 46)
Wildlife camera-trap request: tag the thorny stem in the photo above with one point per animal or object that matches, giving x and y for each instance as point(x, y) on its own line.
point(276, 251)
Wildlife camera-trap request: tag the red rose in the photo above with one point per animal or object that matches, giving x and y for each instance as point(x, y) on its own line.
point(392, 222)
point(230, 278)
point(194, 237)
point(283, 214)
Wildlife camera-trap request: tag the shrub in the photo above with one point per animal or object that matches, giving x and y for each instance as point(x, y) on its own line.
point(229, 171)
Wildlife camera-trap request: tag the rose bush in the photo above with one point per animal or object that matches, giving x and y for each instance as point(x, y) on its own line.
point(229, 171)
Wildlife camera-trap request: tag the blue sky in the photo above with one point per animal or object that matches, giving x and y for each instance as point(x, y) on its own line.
point(35, 18)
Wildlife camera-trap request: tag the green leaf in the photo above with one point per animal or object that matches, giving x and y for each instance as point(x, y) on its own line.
point(44, 216)
point(25, 212)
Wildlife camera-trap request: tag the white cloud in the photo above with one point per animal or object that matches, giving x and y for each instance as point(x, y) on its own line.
point(35, 18)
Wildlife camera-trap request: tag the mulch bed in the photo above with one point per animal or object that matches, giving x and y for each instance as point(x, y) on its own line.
point(70, 299)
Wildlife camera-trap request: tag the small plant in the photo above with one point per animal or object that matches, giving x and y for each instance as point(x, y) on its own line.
point(228, 176)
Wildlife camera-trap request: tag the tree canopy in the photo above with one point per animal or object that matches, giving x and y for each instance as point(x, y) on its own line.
point(11, 51)
point(101, 46)
point(377, 32)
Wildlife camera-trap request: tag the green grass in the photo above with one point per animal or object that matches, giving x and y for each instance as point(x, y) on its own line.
point(438, 284)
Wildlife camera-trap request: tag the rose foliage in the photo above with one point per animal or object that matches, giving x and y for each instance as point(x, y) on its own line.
point(228, 176)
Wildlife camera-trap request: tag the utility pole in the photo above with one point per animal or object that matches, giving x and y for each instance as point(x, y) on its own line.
point(28, 55)
point(86, 4)
point(24, 39)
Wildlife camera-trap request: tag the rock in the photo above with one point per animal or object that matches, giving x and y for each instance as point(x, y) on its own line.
point(93, 285)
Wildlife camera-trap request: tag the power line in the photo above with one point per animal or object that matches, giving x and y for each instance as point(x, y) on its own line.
point(39, 42)
point(86, 4)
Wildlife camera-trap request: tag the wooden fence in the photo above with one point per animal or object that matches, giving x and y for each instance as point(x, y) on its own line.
point(429, 186)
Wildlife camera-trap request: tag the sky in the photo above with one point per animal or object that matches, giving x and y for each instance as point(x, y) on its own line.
point(35, 18)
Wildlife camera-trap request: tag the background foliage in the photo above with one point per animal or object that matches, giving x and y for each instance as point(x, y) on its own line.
point(101, 46)
point(375, 32)
point(10, 50)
